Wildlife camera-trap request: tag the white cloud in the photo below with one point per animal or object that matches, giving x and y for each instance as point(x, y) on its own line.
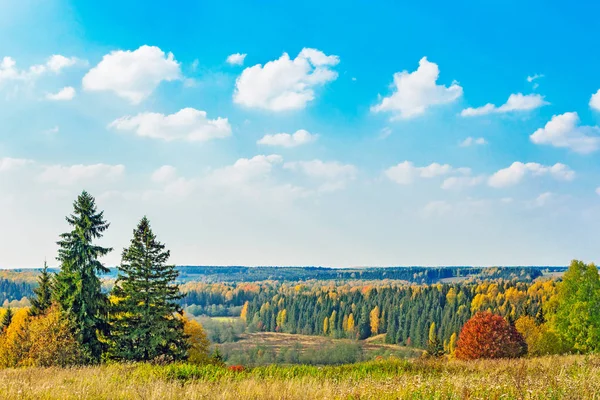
point(598, 190)
point(166, 173)
point(515, 102)
point(414, 92)
point(332, 174)
point(285, 84)
point(518, 171)
point(245, 170)
point(55, 64)
point(405, 172)
point(186, 124)
point(533, 77)
point(236, 59)
point(471, 141)
point(51, 131)
point(8, 164)
point(288, 140)
point(595, 101)
point(563, 131)
point(459, 182)
point(66, 93)
point(74, 174)
point(542, 199)
point(385, 132)
point(323, 169)
point(133, 75)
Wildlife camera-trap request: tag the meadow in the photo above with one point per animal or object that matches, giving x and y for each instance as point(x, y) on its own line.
point(552, 377)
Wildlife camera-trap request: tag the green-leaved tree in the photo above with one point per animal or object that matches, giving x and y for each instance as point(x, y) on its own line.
point(77, 287)
point(145, 317)
point(42, 299)
point(577, 318)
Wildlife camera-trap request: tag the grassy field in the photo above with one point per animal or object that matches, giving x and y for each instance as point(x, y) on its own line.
point(275, 342)
point(564, 377)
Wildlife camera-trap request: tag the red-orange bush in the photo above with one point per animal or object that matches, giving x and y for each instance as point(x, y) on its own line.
point(487, 335)
point(236, 368)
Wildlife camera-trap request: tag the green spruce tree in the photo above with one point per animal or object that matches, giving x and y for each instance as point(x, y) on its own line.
point(77, 287)
point(145, 324)
point(42, 298)
point(6, 319)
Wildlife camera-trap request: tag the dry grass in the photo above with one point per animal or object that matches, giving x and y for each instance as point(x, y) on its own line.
point(278, 341)
point(566, 377)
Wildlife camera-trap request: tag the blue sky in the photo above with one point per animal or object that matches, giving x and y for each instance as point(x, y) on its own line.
point(338, 134)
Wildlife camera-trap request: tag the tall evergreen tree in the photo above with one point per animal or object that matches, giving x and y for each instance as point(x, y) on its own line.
point(144, 320)
point(42, 298)
point(77, 287)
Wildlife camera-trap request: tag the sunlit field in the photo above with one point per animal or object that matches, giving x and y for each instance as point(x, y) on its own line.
point(558, 377)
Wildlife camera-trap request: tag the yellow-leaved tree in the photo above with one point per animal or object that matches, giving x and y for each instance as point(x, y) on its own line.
point(199, 350)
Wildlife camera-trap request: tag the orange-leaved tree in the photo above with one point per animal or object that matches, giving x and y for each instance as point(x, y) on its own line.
point(487, 335)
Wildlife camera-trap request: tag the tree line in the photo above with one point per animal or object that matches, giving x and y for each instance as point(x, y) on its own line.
point(552, 316)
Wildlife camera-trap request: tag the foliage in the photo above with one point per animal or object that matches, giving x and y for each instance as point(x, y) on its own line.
point(487, 335)
point(41, 341)
point(540, 338)
point(6, 319)
point(435, 347)
point(577, 319)
point(145, 317)
point(198, 343)
point(77, 287)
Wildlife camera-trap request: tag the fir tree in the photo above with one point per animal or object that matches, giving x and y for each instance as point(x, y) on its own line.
point(144, 320)
point(42, 300)
point(77, 287)
point(6, 319)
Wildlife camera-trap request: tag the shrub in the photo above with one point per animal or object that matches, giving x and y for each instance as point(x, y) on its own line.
point(487, 335)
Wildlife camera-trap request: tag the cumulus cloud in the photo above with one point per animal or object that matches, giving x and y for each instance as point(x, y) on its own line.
point(405, 172)
point(285, 84)
point(595, 101)
point(186, 124)
point(66, 93)
point(471, 141)
point(236, 59)
point(55, 64)
point(133, 75)
point(414, 92)
point(515, 102)
point(245, 170)
point(74, 174)
point(518, 171)
point(298, 138)
point(166, 173)
point(564, 131)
